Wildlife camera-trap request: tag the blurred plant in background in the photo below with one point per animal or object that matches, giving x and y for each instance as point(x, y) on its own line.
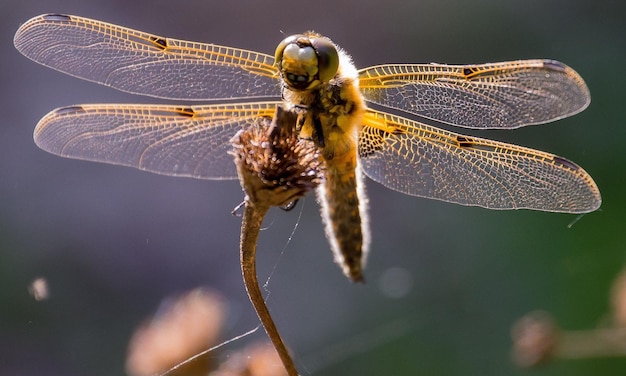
point(537, 338)
point(186, 326)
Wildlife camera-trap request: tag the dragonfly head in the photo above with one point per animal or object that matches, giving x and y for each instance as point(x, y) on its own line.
point(306, 60)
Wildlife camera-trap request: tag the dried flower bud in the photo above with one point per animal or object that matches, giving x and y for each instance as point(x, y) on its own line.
point(182, 328)
point(535, 337)
point(39, 289)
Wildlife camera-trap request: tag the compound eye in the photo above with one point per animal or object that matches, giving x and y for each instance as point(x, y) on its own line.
point(305, 61)
point(297, 62)
point(327, 58)
point(280, 49)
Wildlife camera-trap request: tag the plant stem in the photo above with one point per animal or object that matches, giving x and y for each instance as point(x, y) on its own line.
point(250, 226)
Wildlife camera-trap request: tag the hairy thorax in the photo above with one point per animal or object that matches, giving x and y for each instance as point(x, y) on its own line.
point(330, 114)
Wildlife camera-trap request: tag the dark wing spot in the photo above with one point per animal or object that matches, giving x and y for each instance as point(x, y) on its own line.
point(565, 163)
point(398, 131)
point(554, 65)
point(469, 144)
point(463, 142)
point(467, 72)
point(159, 42)
point(69, 110)
point(56, 17)
point(186, 111)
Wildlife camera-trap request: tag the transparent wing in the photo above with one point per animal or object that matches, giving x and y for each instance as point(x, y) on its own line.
point(142, 63)
point(421, 160)
point(172, 140)
point(501, 95)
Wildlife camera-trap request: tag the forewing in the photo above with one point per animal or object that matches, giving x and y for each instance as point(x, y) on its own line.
point(420, 160)
point(501, 95)
point(142, 63)
point(179, 141)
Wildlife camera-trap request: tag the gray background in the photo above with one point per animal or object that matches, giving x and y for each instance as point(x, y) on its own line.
point(114, 241)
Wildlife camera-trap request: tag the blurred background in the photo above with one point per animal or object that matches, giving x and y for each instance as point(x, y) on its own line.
point(445, 283)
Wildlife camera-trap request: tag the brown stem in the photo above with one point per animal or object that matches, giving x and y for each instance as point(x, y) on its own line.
point(592, 343)
point(537, 339)
point(251, 224)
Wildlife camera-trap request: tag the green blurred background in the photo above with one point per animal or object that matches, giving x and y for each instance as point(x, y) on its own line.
point(445, 282)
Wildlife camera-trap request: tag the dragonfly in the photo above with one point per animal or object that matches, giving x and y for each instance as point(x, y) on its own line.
point(384, 122)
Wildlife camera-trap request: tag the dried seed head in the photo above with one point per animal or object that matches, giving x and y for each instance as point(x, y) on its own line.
point(276, 167)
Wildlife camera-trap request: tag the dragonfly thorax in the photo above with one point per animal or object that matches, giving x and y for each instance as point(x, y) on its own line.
point(306, 60)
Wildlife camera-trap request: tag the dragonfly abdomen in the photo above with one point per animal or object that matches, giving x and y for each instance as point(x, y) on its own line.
point(344, 212)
